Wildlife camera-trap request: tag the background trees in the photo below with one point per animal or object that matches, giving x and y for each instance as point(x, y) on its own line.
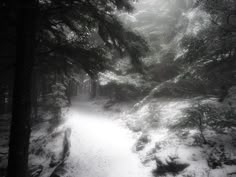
point(192, 44)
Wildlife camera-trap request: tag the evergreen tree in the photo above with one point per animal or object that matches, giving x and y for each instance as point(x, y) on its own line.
point(61, 33)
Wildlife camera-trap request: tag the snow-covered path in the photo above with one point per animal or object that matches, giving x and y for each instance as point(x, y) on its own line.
point(100, 146)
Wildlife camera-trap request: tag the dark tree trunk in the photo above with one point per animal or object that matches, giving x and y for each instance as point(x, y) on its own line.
point(21, 111)
point(9, 97)
point(35, 94)
point(76, 89)
point(71, 90)
point(44, 86)
point(93, 87)
point(2, 99)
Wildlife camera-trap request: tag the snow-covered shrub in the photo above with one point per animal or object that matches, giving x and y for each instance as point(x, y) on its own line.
point(207, 115)
point(57, 97)
point(195, 117)
point(48, 150)
point(145, 118)
point(54, 102)
point(142, 141)
point(170, 165)
point(216, 157)
point(220, 155)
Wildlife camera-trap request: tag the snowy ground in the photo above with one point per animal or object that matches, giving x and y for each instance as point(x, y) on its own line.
point(154, 120)
point(101, 146)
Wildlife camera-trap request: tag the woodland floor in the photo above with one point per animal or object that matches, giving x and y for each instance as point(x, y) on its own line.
point(121, 143)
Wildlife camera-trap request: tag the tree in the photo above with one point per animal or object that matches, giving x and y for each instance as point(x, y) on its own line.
point(209, 52)
point(63, 38)
point(21, 112)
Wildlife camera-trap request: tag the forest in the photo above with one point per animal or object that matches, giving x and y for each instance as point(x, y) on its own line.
point(118, 88)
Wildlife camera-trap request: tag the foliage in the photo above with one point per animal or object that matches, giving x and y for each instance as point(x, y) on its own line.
point(207, 116)
point(57, 96)
point(169, 166)
point(72, 36)
point(123, 87)
point(210, 51)
point(190, 40)
point(85, 32)
point(88, 36)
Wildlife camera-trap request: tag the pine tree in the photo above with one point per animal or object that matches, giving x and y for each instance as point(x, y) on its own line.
point(56, 34)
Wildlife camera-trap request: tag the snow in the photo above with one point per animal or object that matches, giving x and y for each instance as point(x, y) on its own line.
point(166, 142)
point(101, 146)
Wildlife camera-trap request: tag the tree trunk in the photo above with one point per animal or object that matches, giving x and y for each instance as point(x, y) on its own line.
point(2, 101)
point(93, 87)
point(9, 97)
point(21, 110)
point(44, 86)
point(35, 94)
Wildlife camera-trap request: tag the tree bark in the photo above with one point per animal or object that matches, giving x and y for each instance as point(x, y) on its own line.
point(21, 111)
point(35, 94)
point(93, 87)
